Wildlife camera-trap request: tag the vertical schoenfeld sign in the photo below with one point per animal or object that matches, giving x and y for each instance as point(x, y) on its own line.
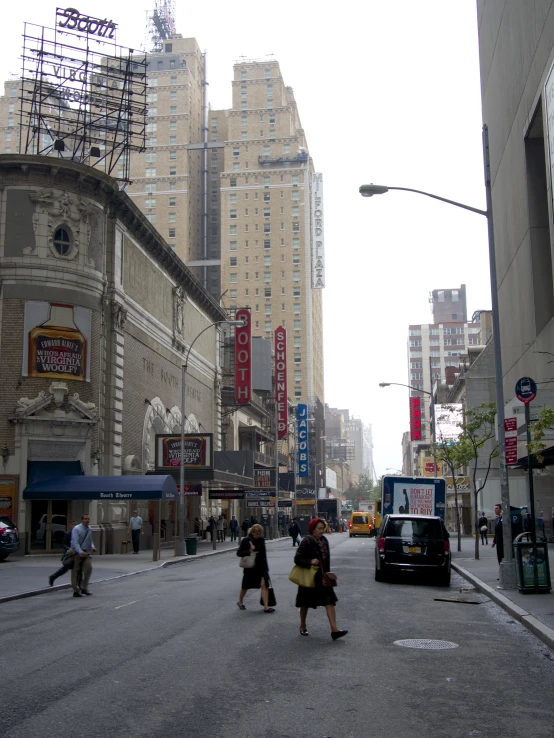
point(281, 395)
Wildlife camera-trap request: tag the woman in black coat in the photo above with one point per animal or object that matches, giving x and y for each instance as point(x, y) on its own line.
point(314, 551)
point(258, 575)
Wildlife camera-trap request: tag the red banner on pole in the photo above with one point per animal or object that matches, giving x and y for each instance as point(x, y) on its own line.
point(415, 419)
point(281, 394)
point(510, 434)
point(243, 358)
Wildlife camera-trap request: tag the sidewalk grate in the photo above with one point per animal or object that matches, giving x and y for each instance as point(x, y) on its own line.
point(426, 644)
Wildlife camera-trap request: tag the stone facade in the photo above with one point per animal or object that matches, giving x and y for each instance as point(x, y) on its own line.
point(116, 311)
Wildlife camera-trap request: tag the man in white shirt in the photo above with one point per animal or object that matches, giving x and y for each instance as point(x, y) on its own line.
point(81, 543)
point(135, 528)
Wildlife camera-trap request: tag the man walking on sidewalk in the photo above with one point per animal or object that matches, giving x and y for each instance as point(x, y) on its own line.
point(234, 526)
point(135, 528)
point(66, 546)
point(498, 540)
point(81, 543)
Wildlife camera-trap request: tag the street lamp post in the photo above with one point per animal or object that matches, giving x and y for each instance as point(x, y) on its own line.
point(507, 566)
point(180, 549)
point(433, 424)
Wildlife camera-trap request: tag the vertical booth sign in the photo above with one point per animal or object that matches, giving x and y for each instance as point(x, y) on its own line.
point(415, 419)
point(302, 424)
point(243, 358)
point(281, 395)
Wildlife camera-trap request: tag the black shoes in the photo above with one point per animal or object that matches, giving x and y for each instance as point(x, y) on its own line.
point(77, 594)
point(270, 609)
point(241, 607)
point(338, 634)
point(86, 592)
point(51, 581)
point(304, 632)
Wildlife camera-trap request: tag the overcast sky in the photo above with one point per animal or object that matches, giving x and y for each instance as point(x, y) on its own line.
point(388, 92)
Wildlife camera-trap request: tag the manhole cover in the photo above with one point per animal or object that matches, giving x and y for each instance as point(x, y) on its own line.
point(426, 644)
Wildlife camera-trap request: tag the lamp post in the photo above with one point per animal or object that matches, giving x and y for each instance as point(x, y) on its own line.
point(433, 425)
point(180, 549)
point(507, 567)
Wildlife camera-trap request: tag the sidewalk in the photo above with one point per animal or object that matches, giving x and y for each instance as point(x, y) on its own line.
point(27, 576)
point(534, 611)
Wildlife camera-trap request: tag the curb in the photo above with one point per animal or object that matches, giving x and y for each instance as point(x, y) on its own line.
point(535, 626)
point(171, 562)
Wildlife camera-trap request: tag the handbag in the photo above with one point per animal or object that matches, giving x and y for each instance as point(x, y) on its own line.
point(329, 579)
point(248, 562)
point(302, 576)
point(68, 559)
point(271, 601)
point(483, 528)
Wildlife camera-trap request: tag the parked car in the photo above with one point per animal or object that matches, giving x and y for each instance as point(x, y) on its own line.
point(9, 537)
point(413, 543)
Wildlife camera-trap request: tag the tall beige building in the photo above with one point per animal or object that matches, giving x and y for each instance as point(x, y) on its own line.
point(167, 178)
point(267, 220)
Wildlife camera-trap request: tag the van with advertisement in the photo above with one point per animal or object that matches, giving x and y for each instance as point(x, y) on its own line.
point(413, 496)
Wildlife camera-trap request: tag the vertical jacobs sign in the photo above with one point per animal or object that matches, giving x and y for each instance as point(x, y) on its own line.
point(302, 427)
point(243, 358)
point(281, 395)
point(318, 238)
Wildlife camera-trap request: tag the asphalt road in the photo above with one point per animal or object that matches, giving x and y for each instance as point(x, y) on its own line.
point(168, 653)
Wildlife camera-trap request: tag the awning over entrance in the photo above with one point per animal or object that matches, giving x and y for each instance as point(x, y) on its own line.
point(139, 487)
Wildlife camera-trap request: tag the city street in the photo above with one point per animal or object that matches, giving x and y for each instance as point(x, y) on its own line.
point(168, 653)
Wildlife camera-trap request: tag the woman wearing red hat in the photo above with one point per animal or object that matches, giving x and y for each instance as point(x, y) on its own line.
point(314, 551)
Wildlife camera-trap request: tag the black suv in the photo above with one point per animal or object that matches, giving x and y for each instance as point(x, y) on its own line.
point(9, 537)
point(413, 543)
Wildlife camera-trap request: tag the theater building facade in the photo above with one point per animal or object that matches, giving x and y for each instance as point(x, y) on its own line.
point(96, 313)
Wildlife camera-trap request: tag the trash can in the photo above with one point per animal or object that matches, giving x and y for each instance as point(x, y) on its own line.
point(191, 542)
point(532, 566)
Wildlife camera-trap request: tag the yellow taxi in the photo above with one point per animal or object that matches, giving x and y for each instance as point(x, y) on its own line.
point(360, 524)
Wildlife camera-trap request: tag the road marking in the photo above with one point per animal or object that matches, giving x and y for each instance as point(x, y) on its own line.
point(134, 602)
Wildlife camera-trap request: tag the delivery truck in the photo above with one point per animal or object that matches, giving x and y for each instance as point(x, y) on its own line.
point(413, 496)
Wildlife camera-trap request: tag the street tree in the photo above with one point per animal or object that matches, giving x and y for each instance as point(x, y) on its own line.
point(452, 456)
point(478, 445)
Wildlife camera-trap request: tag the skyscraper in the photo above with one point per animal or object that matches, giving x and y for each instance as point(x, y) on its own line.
point(272, 221)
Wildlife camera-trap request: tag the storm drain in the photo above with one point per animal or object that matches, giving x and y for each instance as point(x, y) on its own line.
point(426, 644)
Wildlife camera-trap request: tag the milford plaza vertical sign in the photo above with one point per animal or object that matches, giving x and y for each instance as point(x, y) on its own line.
point(281, 394)
point(243, 358)
point(318, 237)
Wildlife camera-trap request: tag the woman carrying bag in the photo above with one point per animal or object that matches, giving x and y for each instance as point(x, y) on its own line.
point(314, 551)
point(256, 576)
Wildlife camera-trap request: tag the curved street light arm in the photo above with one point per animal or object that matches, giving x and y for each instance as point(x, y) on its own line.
point(443, 199)
point(409, 386)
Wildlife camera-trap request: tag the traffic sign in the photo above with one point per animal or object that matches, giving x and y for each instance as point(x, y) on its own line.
point(526, 390)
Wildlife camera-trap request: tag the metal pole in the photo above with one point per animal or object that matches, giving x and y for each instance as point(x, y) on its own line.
point(180, 549)
point(531, 496)
point(433, 426)
point(507, 575)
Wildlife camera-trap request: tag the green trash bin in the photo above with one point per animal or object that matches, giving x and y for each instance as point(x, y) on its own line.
point(191, 542)
point(530, 558)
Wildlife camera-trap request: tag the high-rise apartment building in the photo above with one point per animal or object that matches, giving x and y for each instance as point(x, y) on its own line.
point(434, 349)
point(268, 220)
point(167, 180)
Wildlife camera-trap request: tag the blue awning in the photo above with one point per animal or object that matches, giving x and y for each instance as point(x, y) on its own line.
point(42, 471)
point(140, 487)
